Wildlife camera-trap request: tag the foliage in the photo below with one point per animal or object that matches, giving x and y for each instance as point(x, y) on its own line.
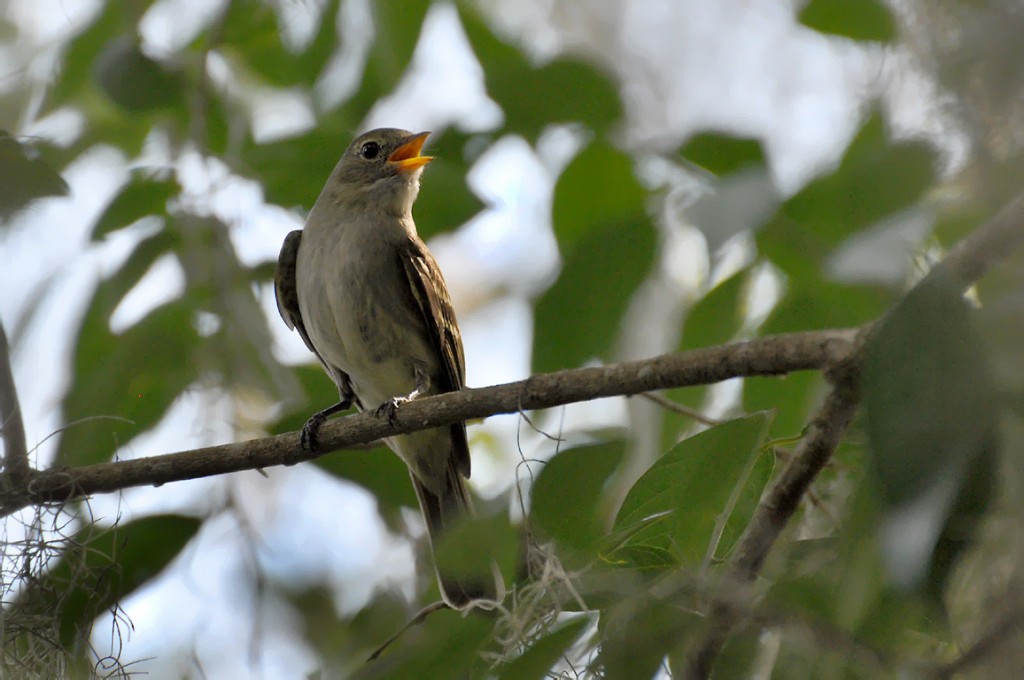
point(623, 600)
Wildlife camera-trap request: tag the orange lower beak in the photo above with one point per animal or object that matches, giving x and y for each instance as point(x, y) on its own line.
point(407, 157)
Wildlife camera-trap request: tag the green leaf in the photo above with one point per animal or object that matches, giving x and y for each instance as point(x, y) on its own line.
point(640, 631)
point(538, 659)
point(854, 19)
point(717, 317)
point(470, 549)
point(135, 82)
point(694, 482)
point(565, 90)
point(251, 30)
point(81, 53)
point(578, 318)
point(445, 645)
point(445, 201)
point(398, 25)
point(930, 403)
point(722, 154)
point(133, 377)
point(24, 177)
point(104, 566)
point(143, 195)
point(597, 189)
point(875, 180)
point(293, 171)
point(609, 247)
point(567, 499)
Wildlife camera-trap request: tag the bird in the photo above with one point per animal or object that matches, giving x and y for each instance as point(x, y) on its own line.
point(368, 299)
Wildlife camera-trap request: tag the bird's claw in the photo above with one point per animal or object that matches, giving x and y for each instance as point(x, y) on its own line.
point(310, 437)
point(389, 408)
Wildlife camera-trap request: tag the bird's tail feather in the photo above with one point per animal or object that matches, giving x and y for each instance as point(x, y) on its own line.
point(440, 513)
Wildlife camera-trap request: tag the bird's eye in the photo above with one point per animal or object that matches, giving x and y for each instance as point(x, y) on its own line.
point(369, 150)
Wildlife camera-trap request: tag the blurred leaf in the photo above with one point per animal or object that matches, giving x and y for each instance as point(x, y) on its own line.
point(875, 179)
point(294, 170)
point(608, 246)
point(722, 154)
point(445, 201)
point(930, 405)
point(566, 502)
point(579, 317)
point(143, 195)
point(640, 631)
point(694, 481)
point(565, 90)
point(251, 30)
point(24, 177)
point(717, 317)
point(104, 566)
point(136, 375)
point(597, 189)
point(471, 547)
point(535, 662)
point(854, 19)
point(397, 25)
point(134, 81)
point(446, 645)
point(82, 51)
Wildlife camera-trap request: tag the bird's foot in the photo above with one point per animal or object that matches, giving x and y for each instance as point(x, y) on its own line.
point(310, 437)
point(389, 408)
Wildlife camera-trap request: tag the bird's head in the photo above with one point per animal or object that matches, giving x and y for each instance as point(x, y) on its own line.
point(381, 168)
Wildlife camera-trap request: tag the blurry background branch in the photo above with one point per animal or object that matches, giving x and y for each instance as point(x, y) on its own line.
point(12, 428)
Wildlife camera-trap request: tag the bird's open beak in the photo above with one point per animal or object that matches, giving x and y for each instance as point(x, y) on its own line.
point(407, 157)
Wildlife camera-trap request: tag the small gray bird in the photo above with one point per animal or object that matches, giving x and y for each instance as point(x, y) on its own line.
point(369, 301)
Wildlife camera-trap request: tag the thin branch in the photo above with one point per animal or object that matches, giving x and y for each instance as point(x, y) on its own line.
point(996, 637)
point(681, 409)
point(984, 247)
point(774, 355)
point(778, 507)
point(12, 427)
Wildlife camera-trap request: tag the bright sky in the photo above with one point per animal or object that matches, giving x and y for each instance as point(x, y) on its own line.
point(736, 65)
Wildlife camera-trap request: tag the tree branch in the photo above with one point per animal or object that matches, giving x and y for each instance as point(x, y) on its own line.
point(774, 355)
point(779, 505)
point(966, 262)
point(12, 427)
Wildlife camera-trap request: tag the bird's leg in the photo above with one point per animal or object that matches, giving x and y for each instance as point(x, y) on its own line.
point(311, 430)
point(388, 408)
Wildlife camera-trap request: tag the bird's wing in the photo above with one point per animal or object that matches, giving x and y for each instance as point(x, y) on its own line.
point(286, 288)
point(287, 294)
point(430, 298)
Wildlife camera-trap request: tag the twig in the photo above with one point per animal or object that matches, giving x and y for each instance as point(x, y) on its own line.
point(12, 427)
point(992, 640)
point(773, 355)
point(420, 617)
point(676, 407)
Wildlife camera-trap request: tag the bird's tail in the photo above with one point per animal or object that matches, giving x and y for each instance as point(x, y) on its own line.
point(440, 513)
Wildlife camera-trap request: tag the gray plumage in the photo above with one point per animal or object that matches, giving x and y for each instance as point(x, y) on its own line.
point(369, 300)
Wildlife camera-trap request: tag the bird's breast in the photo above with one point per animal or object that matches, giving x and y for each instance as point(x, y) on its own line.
point(357, 315)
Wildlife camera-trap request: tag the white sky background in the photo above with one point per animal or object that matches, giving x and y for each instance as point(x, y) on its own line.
point(737, 65)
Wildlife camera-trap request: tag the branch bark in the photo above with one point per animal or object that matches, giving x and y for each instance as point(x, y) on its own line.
point(773, 355)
